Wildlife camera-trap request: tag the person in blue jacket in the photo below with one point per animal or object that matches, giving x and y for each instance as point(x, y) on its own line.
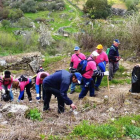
point(58, 85)
point(113, 59)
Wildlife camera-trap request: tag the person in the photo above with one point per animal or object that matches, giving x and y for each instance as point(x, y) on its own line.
point(91, 69)
point(6, 83)
point(101, 62)
point(113, 59)
point(39, 79)
point(58, 85)
point(75, 60)
point(17, 83)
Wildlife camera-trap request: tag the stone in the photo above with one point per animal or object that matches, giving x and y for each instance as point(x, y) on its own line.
point(3, 63)
point(14, 108)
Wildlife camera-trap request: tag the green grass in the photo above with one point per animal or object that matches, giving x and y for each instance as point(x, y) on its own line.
point(117, 129)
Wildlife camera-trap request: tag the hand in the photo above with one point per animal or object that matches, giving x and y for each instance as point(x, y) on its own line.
point(8, 89)
point(3, 91)
point(69, 68)
point(73, 106)
point(106, 73)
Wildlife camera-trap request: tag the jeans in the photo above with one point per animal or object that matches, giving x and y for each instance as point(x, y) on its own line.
point(73, 86)
point(87, 85)
point(113, 67)
point(48, 91)
point(10, 92)
point(97, 80)
point(28, 87)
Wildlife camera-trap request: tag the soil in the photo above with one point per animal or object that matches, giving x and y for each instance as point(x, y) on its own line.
point(120, 102)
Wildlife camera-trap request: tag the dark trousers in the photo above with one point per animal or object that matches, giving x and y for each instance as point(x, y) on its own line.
point(48, 91)
point(41, 87)
point(28, 87)
point(97, 80)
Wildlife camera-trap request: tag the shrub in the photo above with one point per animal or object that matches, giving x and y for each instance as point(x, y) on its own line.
point(5, 23)
point(24, 22)
point(4, 13)
point(15, 14)
point(41, 7)
point(34, 114)
point(29, 6)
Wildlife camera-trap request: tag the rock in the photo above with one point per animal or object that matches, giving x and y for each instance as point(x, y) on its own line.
point(111, 109)
point(135, 95)
point(3, 123)
point(14, 108)
point(3, 63)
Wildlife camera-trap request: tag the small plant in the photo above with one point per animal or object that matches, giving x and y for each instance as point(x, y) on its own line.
point(34, 114)
point(42, 136)
point(53, 137)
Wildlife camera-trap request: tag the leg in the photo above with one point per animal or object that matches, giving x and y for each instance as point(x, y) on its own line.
point(84, 89)
point(40, 91)
point(28, 87)
point(116, 67)
point(47, 97)
point(98, 82)
point(59, 99)
point(11, 94)
point(111, 70)
point(91, 87)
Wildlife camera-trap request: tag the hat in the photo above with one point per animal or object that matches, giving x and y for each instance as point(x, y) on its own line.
point(7, 74)
point(99, 46)
point(94, 53)
point(78, 77)
point(117, 41)
point(76, 48)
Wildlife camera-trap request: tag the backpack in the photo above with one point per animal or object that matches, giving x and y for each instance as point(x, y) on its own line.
point(82, 66)
point(108, 49)
point(40, 69)
point(23, 78)
point(5, 97)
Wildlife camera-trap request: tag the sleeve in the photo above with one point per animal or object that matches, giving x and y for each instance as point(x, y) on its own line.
point(98, 73)
point(63, 91)
point(37, 88)
point(71, 64)
point(21, 94)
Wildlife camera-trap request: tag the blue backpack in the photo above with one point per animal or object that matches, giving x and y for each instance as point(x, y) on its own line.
point(82, 66)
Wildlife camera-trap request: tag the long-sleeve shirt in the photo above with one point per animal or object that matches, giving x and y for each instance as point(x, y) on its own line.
point(39, 81)
point(76, 59)
point(113, 53)
point(60, 80)
point(6, 82)
point(22, 85)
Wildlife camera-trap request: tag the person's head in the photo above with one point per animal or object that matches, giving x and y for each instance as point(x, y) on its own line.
point(116, 42)
point(99, 48)
point(94, 55)
point(15, 84)
point(77, 50)
point(43, 75)
point(76, 78)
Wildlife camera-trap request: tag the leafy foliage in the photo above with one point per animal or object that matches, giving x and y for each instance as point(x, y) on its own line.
point(98, 9)
point(34, 114)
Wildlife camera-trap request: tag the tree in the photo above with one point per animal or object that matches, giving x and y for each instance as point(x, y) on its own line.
point(98, 8)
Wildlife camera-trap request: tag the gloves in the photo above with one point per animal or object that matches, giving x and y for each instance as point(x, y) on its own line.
point(106, 73)
point(8, 89)
point(18, 101)
point(3, 91)
point(37, 97)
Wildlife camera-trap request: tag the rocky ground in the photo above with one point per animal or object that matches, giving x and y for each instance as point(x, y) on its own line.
point(100, 109)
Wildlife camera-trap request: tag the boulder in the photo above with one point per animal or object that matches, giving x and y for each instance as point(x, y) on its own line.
point(14, 108)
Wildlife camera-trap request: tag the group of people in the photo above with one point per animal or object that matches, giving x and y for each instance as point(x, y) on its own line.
point(59, 82)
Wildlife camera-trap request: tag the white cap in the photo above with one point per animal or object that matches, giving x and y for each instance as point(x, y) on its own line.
point(94, 53)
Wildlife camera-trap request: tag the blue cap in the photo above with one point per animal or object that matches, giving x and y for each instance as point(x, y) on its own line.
point(78, 77)
point(117, 41)
point(76, 48)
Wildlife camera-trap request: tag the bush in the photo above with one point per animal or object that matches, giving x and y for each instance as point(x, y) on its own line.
point(29, 6)
point(15, 14)
point(4, 13)
point(41, 7)
point(5, 23)
point(34, 114)
point(24, 22)
point(16, 4)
